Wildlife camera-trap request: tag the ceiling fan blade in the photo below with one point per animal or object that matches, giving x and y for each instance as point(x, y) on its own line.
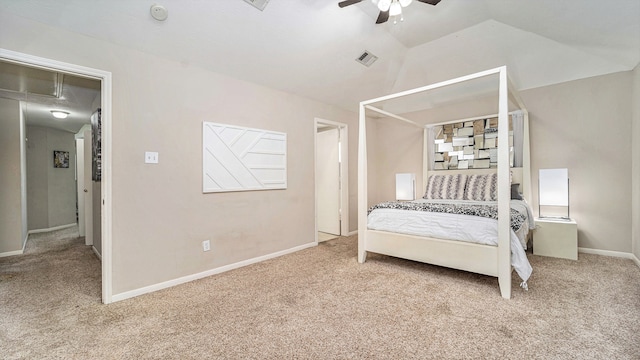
point(348, 2)
point(430, 2)
point(383, 17)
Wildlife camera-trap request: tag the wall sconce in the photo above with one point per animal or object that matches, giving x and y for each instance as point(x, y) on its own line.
point(553, 193)
point(405, 186)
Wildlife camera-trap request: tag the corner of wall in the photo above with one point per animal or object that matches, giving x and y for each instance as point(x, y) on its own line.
point(23, 175)
point(635, 160)
point(11, 236)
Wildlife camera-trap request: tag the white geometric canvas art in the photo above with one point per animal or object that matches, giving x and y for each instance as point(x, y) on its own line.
point(237, 158)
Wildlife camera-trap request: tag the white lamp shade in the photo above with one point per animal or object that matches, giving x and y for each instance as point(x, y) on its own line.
point(384, 5)
point(405, 3)
point(405, 186)
point(554, 187)
point(395, 9)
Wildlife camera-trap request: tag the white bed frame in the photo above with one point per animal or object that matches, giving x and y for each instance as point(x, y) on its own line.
point(477, 258)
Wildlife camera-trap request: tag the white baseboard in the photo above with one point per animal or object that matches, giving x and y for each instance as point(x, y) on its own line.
point(354, 232)
point(96, 252)
point(24, 242)
point(618, 254)
point(36, 231)
point(188, 278)
point(12, 253)
point(16, 252)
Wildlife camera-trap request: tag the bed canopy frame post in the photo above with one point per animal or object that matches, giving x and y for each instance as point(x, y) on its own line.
point(526, 159)
point(425, 158)
point(526, 155)
point(504, 197)
point(363, 201)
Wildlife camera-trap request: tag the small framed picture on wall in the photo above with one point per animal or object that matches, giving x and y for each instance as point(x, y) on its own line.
point(60, 159)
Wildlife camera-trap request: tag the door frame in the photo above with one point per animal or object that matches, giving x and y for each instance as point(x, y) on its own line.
point(88, 190)
point(106, 184)
point(80, 186)
point(344, 173)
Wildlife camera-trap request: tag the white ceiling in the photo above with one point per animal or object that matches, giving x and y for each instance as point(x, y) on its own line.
point(308, 47)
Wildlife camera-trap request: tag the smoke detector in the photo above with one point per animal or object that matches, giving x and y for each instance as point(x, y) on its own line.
point(159, 12)
point(366, 58)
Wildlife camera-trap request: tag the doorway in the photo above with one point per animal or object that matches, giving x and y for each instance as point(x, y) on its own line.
point(331, 179)
point(85, 189)
point(105, 185)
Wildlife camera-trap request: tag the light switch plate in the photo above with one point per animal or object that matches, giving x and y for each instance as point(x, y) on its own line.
point(151, 157)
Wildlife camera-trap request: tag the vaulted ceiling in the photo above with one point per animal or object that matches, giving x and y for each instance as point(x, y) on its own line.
point(309, 47)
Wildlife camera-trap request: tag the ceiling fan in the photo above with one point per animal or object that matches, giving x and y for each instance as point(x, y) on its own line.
point(388, 7)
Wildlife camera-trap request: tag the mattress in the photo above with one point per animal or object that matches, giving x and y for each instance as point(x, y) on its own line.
point(458, 226)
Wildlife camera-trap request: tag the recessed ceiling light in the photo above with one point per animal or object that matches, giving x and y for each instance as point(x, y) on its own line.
point(59, 114)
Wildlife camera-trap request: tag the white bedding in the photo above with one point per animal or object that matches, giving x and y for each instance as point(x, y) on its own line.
point(459, 227)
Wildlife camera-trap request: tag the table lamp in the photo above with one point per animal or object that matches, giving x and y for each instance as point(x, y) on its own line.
point(405, 186)
point(553, 193)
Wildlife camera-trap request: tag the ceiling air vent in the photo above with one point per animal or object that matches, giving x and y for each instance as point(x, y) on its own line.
point(367, 58)
point(258, 4)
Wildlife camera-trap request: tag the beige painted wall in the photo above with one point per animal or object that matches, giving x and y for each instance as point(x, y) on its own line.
point(37, 182)
point(12, 232)
point(393, 141)
point(373, 190)
point(51, 191)
point(23, 175)
point(583, 125)
point(160, 215)
point(62, 183)
point(635, 139)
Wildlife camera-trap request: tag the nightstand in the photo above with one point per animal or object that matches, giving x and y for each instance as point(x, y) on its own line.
point(556, 238)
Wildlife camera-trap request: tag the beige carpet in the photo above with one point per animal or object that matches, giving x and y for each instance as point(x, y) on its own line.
point(319, 304)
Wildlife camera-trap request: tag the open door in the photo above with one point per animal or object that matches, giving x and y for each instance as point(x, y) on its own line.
point(88, 189)
point(328, 180)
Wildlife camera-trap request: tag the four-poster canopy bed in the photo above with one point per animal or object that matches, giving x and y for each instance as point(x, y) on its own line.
point(441, 249)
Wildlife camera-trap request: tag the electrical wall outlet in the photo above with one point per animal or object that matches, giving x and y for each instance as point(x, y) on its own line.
point(206, 245)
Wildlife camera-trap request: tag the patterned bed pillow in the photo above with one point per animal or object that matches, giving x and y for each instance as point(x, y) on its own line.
point(450, 187)
point(482, 187)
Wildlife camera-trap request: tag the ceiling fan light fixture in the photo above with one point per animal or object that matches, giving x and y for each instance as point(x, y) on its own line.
point(59, 114)
point(395, 8)
point(384, 5)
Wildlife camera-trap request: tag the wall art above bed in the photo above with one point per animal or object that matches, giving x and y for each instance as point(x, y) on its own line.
point(237, 158)
point(473, 144)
